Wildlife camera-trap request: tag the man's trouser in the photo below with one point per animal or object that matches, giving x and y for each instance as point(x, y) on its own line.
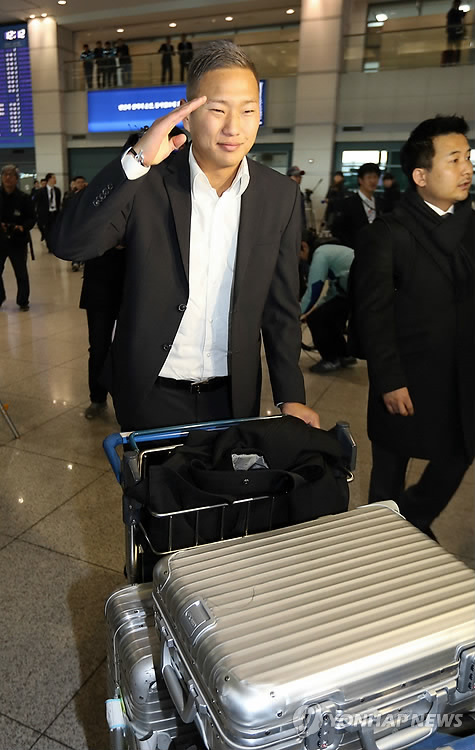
point(18, 257)
point(420, 503)
point(327, 324)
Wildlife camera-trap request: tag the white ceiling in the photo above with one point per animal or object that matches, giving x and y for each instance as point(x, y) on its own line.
point(101, 18)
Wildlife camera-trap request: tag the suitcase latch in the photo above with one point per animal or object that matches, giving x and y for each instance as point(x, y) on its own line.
point(318, 723)
point(194, 617)
point(466, 678)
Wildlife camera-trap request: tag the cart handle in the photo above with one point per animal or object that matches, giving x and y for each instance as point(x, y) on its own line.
point(178, 431)
point(110, 445)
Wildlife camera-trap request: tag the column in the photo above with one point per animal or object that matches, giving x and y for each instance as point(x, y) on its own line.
point(319, 66)
point(49, 46)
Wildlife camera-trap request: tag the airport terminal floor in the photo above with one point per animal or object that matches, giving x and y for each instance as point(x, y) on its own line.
point(61, 534)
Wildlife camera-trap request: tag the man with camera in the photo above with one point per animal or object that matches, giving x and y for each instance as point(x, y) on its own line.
point(17, 217)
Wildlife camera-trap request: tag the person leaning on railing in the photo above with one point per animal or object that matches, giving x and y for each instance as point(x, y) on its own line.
point(87, 57)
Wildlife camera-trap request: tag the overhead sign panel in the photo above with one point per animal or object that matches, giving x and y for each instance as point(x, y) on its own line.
point(124, 110)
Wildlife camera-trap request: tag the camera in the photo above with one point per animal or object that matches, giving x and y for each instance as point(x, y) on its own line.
point(10, 230)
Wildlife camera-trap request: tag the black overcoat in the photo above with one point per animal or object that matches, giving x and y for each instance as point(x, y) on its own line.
point(151, 216)
point(404, 305)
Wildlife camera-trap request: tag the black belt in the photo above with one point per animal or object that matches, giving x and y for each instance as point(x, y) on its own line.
point(205, 386)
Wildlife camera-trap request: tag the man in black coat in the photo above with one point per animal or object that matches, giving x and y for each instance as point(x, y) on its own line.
point(48, 204)
point(212, 242)
point(17, 217)
point(167, 51)
point(414, 311)
point(359, 209)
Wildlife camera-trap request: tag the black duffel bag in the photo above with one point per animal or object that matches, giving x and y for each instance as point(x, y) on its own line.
point(306, 478)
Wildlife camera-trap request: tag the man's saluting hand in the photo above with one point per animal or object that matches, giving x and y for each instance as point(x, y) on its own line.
point(155, 144)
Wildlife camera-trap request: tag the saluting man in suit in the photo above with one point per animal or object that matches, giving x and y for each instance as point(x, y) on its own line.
point(212, 244)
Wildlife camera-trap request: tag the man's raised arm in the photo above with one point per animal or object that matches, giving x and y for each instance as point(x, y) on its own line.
point(95, 220)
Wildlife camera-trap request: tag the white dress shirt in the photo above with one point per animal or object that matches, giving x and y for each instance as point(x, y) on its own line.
point(200, 348)
point(369, 205)
point(439, 210)
point(51, 198)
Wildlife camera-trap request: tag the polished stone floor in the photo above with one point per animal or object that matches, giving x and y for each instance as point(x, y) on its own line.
point(61, 534)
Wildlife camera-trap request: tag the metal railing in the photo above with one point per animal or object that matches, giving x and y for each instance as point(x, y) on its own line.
point(375, 50)
point(272, 59)
point(378, 49)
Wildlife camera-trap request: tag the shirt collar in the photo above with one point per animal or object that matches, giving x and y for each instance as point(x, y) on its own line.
point(439, 211)
point(238, 186)
point(370, 201)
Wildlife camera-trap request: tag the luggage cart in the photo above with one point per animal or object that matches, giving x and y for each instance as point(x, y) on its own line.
point(144, 449)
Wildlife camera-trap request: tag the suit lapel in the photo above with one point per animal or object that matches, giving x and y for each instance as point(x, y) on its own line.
point(177, 185)
point(251, 208)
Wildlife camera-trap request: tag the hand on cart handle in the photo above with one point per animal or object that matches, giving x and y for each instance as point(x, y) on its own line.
point(305, 413)
point(155, 144)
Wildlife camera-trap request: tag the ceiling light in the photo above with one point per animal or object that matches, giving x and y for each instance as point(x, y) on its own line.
point(32, 15)
point(290, 11)
point(120, 31)
point(62, 2)
point(228, 18)
point(43, 15)
point(172, 25)
point(465, 8)
point(381, 17)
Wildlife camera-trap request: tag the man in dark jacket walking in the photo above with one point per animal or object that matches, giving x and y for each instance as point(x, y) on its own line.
point(357, 210)
point(17, 217)
point(414, 313)
point(48, 204)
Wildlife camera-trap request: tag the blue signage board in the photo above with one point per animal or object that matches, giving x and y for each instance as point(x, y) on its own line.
point(16, 100)
point(125, 110)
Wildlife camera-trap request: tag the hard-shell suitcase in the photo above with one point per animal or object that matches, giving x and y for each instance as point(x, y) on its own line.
point(350, 631)
point(133, 674)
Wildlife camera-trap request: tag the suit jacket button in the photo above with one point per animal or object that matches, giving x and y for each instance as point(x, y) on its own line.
point(166, 347)
point(109, 187)
point(181, 308)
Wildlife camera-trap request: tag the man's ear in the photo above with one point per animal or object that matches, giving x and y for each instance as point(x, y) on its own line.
point(419, 177)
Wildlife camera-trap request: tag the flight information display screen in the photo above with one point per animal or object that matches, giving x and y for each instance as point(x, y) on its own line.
point(16, 101)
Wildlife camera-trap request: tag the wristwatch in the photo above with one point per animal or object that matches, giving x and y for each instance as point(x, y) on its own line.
point(137, 156)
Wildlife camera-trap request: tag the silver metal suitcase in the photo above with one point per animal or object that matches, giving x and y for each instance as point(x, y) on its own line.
point(351, 631)
point(134, 678)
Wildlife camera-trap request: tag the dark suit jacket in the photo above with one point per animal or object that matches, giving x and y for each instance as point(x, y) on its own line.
point(42, 204)
point(23, 215)
point(406, 317)
point(151, 216)
point(350, 217)
point(103, 282)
